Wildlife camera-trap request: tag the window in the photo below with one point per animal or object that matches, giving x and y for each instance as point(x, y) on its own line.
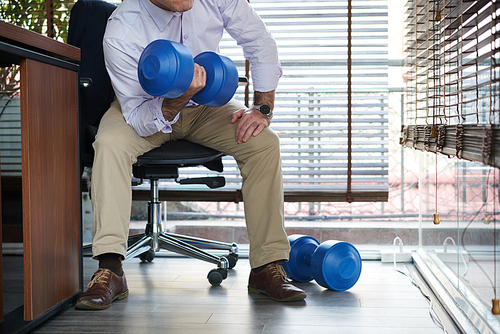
point(331, 108)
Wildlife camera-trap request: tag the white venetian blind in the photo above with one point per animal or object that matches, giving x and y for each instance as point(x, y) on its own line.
point(10, 136)
point(331, 108)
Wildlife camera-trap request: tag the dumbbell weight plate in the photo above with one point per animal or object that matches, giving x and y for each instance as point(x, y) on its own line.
point(166, 69)
point(222, 79)
point(302, 248)
point(336, 265)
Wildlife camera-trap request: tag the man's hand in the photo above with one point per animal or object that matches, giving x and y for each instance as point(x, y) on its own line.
point(199, 80)
point(171, 107)
point(251, 123)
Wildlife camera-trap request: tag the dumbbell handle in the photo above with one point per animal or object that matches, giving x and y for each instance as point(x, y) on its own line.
point(308, 259)
point(222, 79)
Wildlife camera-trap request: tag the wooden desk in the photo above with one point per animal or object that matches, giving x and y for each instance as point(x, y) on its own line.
point(50, 173)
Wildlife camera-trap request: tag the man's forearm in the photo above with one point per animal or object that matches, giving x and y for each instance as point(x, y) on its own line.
point(266, 98)
point(171, 107)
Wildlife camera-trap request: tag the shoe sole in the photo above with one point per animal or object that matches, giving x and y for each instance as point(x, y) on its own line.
point(295, 298)
point(89, 306)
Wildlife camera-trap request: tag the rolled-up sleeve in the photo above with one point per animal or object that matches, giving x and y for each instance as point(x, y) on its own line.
point(140, 110)
point(265, 77)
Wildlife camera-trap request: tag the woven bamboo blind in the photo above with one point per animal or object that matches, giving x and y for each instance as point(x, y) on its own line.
point(452, 87)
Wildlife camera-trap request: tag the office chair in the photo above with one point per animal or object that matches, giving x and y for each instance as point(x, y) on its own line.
point(86, 30)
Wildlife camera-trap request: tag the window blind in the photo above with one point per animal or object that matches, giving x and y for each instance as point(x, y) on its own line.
point(10, 135)
point(452, 78)
point(331, 110)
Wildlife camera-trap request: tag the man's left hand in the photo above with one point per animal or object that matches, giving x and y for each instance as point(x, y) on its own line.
point(251, 123)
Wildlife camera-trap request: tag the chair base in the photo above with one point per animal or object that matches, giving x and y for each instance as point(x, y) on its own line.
point(147, 244)
point(153, 240)
point(143, 247)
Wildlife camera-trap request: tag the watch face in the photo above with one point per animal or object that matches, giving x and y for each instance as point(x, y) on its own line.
point(264, 109)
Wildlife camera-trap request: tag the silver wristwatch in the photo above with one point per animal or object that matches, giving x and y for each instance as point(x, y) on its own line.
point(263, 108)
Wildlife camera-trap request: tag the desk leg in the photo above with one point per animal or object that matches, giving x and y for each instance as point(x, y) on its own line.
point(51, 215)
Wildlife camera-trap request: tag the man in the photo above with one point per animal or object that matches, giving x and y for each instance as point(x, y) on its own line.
point(138, 122)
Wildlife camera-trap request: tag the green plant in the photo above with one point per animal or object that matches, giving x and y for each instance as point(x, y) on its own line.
point(33, 15)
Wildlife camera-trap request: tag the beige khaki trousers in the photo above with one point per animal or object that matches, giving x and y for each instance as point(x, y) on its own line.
point(117, 147)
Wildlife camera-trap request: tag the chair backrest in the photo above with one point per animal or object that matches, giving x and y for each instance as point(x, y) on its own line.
point(86, 31)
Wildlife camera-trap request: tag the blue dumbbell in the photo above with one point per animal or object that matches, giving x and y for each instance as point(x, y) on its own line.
point(166, 69)
point(335, 265)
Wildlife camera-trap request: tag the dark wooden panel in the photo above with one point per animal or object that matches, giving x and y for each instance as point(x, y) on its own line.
point(50, 186)
point(33, 41)
point(234, 196)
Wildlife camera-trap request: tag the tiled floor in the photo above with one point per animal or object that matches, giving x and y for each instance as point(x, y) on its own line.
point(172, 295)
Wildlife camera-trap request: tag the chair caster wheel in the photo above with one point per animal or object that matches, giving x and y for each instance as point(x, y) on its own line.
point(148, 256)
point(233, 259)
point(216, 276)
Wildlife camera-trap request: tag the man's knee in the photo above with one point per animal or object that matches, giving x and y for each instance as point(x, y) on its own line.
point(111, 140)
point(104, 140)
point(264, 148)
point(268, 140)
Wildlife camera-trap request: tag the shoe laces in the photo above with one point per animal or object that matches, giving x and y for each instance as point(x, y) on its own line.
point(279, 272)
point(98, 277)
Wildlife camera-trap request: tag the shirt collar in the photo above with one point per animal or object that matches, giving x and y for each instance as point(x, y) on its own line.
point(160, 16)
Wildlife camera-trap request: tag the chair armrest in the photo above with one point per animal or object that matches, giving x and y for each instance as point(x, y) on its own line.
point(85, 82)
point(242, 81)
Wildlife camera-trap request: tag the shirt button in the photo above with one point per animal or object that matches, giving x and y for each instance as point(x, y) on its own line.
point(185, 37)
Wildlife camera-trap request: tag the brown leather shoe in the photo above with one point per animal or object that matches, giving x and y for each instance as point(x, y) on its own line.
point(105, 288)
point(272, 282)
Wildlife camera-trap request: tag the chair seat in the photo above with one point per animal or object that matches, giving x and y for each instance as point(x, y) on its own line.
point(181, 152)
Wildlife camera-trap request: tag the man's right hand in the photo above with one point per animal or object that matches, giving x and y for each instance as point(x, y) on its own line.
point(199, 80)
point(171, 107)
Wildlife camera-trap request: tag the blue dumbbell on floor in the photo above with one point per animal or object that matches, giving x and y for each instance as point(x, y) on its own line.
point(166, 69)
point(335, 265)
